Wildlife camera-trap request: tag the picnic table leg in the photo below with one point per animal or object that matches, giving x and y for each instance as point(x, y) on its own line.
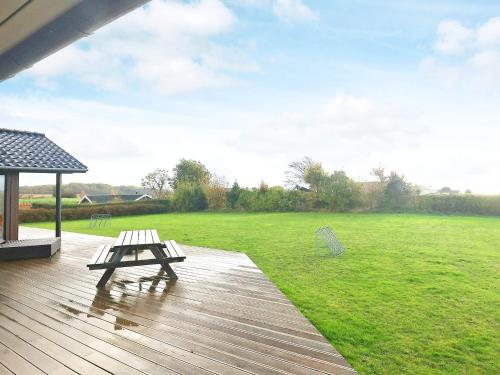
point(170, 272)
point(157, 252)
point(105, 277)
point(117, 256)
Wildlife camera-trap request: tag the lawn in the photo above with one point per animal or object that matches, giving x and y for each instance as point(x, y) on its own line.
point(413, 294)
point(50, 200)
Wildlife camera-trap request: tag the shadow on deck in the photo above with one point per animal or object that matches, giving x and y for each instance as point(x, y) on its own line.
point(221, 316)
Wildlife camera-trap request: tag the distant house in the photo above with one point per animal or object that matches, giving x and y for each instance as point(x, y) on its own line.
point(301, 188)
point(427, 190)
point(111, 198)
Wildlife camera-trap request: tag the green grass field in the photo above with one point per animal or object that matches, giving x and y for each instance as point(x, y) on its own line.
point(412, 294)
point(49, 200)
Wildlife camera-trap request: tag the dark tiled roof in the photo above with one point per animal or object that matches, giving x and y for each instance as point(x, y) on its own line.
point(33, 152)
point(105, 198)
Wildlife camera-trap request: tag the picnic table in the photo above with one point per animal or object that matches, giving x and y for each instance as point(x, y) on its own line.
point(110, 257)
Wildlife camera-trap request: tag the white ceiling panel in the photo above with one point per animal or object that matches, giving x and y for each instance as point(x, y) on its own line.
point(8, 7)
point(33, 16)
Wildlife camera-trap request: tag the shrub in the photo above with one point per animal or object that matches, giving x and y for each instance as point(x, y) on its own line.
point(338, 192)
point(274, 199)
point(190, 197)
point(246, 200)
point(52, 205)
point(233, 195)
point(216, 193)
point(84, 212)
point(397, 194)
point(458, 204)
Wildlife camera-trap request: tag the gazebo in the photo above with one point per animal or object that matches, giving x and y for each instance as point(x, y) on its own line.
point(29, 152)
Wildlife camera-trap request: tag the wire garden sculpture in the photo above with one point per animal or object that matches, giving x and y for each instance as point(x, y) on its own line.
point(327, 243)
point(98, 220)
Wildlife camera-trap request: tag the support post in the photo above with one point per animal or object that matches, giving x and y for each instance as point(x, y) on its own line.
point(58, 204)
point(11, 209)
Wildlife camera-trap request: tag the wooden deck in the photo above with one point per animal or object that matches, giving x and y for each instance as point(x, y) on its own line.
point(222, 316)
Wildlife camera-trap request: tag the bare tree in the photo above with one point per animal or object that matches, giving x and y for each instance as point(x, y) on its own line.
point(380, 174)
point(156, 182)
point(296, 171)
point(305, 171)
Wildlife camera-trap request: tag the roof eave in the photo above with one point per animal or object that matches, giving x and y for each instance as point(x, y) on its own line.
point(77, 22)
point(42, 170)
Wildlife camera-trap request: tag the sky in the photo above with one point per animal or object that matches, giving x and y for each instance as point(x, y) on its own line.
point(248, 86)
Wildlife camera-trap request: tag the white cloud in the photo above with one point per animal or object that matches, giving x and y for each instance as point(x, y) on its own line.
point(447, 75)
point(287, 11)
point(292, 11)
point(433, 146)
point(166, 46)
point(488, 35)
point(452, 37)
point(468, 57)
point(336, 128)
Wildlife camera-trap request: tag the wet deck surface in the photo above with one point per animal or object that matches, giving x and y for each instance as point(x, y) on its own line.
point(222, 316)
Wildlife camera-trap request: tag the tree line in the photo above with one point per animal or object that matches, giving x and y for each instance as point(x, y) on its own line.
point(308, 186)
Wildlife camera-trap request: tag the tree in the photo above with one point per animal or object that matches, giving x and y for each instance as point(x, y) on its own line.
point(373, 192)
point(397, 193)
point(156, 183)
point(190, 197)
point(380, 174)
point(314, 175)
point(233, 195)
point(189, 171)
point(263, 187)
point(338, 191)
point(305, 171)
point(216, 193)
point(296, 171)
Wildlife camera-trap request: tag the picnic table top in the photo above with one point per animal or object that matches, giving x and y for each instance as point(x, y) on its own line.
point(130, 238)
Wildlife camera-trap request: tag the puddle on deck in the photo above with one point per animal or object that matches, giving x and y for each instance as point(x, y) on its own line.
point(127, 295)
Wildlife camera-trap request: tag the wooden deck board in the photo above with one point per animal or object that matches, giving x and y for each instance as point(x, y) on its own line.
point(222, 316)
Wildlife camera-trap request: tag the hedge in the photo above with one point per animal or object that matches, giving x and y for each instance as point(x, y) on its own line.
point(84, 212)
point(275, 200)
point(459, 204)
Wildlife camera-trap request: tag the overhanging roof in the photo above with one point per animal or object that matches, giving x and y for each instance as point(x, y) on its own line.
point(22, 151)
point(31, 30)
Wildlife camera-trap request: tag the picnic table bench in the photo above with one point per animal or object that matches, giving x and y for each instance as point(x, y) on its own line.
point(110, 257)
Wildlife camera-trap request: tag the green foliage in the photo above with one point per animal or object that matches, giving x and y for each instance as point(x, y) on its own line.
point(197, 189)
point(189, 197)
point(458, 204)
point(397, 194)
point(84, 212)
point(246, 200)
point(216, 193)
point(49, 202)
point(190, 172)
point(305, 171)
point(276, 198)
point(338, 192)
point(271, 199)
point(314, 176)
point(413, 294)
point(233, 195)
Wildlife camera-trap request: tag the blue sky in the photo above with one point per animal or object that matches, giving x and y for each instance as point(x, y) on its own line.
point(248, 86)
